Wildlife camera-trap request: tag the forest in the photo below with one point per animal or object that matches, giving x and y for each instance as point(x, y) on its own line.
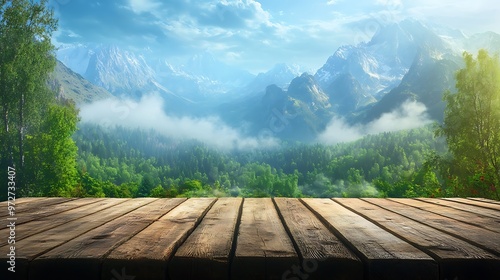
point(55, 155)
point(119, 162)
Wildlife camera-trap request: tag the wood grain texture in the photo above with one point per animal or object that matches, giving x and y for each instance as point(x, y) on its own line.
point(464, 207)
point(456, 258)
point(484, 200)
point(323, 255)
point(40, 223)
point(264, 249)
point(35, 245)
point(59, 208)
point(79, 256)
point(29, 205)
point(459, 215)
point(384, 255)
point(22, 200)
point(483, 204)
point(147, 253)
point(206, 252)
point(478, 236)
point(261, 238)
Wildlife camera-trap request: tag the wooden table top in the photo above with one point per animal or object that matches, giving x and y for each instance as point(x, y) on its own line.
point(251, 238)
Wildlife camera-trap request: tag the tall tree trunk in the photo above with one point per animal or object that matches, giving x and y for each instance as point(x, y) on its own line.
point(20, 144)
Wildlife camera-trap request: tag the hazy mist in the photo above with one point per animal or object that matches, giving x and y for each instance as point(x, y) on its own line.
point(148, 114)
point(410, 114)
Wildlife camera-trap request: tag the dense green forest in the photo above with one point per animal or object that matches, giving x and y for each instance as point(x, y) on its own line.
point(122, 162)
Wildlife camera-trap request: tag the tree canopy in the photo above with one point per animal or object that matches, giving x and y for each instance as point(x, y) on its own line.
point(36, 128)
point(472, 127)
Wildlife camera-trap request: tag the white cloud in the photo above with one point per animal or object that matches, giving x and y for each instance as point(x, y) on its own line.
point(339, 131)
point(304, 32)
point(141, 6)
point(148, 114)
point(409, 115)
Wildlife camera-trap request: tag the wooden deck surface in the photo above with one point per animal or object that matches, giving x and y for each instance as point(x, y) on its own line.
point(252, 238)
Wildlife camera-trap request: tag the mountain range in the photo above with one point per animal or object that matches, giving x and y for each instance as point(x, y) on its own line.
point(405, 61)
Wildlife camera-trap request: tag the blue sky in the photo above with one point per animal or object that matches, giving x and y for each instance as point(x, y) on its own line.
point(254, 35)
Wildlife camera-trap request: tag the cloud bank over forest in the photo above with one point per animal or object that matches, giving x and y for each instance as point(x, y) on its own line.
point(410, 114)
point(148, 113)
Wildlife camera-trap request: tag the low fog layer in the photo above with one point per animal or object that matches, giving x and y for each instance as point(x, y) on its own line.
point(148, 113)
point(410, 114)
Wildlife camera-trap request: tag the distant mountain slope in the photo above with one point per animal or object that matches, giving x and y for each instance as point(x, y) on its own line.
point(125, 73)
point(73, 86)
point(379, 65)
point(120, 72)
point(281, 75)
point(298, 113)
point(407, 60)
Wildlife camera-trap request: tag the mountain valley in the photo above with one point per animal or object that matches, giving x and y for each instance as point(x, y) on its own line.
point(405, 61)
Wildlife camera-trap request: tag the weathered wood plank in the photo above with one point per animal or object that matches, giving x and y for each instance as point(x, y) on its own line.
point(481, 237)
point(81, 256)
point(206, 252)
point(459, 215)
point(21, 200)
point(34, 204)
point(29, 248)
point(476, 203)
point(464, 207)
point(457, 259)
point(264, 249)
point(59, 208)
point(45, 223)
point(385, 256)
point(146, 254)
point(484, 200)
point(323, 255)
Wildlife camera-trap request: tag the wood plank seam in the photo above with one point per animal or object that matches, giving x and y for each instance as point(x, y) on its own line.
point(484, 200)
point(83, 233)
point(44, 201)
point(437, 213)
point(475, 202)
point(455, 257)
point(56, 213)
point(132, 235)
point(456, 205)
point(337, 234)
point(264, 248)
point(56, 225)
point(197, 223)
point(321, 254)
point(232, 253)
point(440, 229)
point(424, 249)
point(287, 229)
point(149, 253)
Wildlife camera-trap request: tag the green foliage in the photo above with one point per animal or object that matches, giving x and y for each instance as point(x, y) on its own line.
point(51, 153)
point(389, 164)
point(89, 187)
point(146, 186)
point(26, 60)
point(159, 192)
point(472, 128)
